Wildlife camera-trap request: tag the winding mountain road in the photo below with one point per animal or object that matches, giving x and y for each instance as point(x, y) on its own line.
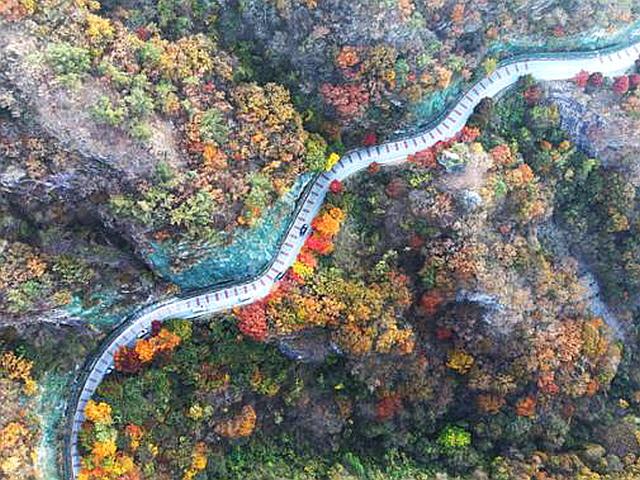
point(558, 66)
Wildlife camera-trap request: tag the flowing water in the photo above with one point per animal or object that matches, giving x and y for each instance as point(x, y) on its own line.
point(50, 408)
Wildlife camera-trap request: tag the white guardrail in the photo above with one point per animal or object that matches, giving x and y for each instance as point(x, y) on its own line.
point(551, 67)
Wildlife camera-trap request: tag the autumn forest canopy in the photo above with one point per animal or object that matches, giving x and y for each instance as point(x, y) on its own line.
point(468, 314)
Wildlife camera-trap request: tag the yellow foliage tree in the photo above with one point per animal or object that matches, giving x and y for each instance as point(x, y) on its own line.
point(98, 28)
point(16, 367)
point(98, 412)
point(198, 461)
point(19, 432)
point(460, 361)
point(103, 449)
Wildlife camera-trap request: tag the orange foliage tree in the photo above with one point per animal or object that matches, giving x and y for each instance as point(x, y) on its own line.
point(328, 223)
point(252, 321)
point(526, 407)
point(325, 227)
point(242, 425)
point(130, 359)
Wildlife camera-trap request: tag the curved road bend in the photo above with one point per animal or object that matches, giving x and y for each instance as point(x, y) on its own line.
point(550, 67)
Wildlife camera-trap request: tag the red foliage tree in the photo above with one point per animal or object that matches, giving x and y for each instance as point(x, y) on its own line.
point(388, 406)
point(425, 158)
point(374, 167)
point(581, 78)
point(126, 360)
point(369, 139)
point(305, 256)
point(547, 384)
point(396, 188)
point(349, 101)
point(526, 407)
point(336, 187)
point(209, 88)
point(532, 95)
point(469, 134)
point(416, 241)
point(143, 33)
point(501, 154)
point(444, 334)
point(634, 80)
point(621, 85)
point(156, 325)
point(441, 145)
point(431, 301)
point(319, 244)
point(252, 321)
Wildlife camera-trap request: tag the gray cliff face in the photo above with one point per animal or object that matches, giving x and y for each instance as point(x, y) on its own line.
point(308, 346)
point(597, 124)
point(80, 163)
point(581, 123)
point(27, 86)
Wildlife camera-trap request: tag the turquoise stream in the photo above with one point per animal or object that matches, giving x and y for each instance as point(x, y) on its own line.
point(250, 251)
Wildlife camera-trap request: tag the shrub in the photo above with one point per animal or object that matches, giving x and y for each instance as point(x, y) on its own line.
point(453, 438)
point(105, 111)
point(213, 127)
point(140, 131)
point(140, 104)
point(315, 152)
point(67, 61)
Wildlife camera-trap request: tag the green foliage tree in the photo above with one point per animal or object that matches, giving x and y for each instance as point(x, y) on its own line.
point(194, 213)
point(109, 112)
point(453, 438)
point(315, 152)
point(182, 328)
point(140, 131)
point(213, 127)
point(139, 103)
point(68, 62)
